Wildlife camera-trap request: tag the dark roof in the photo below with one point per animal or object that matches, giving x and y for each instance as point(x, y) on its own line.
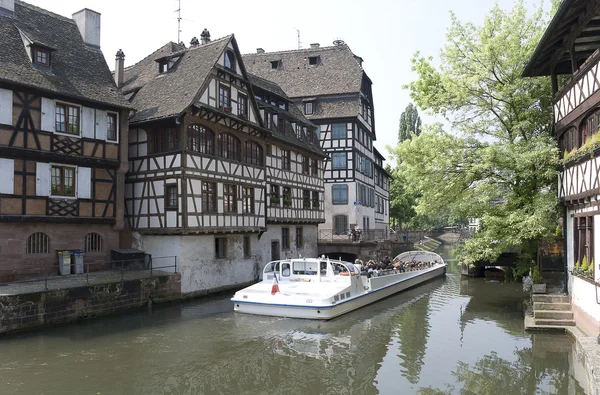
point(337, 71)
point(267, 86)
point(76, 71)
point(575, 23)
point(342, 107)
point(166, 95)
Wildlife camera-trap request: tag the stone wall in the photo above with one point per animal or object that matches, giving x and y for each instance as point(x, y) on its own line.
point(28, 311)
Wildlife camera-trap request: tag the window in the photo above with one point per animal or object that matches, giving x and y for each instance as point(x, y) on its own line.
point(111, 127)
point(200, 139)
point(247, 247)
point(67, 119)
point(41, 56)
point(224, 97)
point(253, 153)
point(299, 131)
point(93, 242)
point(315, 200)
point(229, 198)
point(306, 198)
point(229, 60)
point(338, 131)
point(338, 160)
point(340, 193)
point(584, 239)
point(285, 238)
point(163, 67)
point(287, 197)
point(308, 107)
point(242, 106)
point(220, 247)
point(37, 243)
point(305, 165)
point(275, 64)
point(63, 181)
point(285, 159)
point(340, 224)
point(268, 120)
point(209, 197)
point(299, 238)
point(281, 124)
point(274, 195)
point(165, 140)
point(171, 197)
point(248, 200)
point(313, 60)
point(229, 146)
point(315, 167)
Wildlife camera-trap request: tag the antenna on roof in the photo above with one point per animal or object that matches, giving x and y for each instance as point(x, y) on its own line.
point(178, 20)
point(299, 43)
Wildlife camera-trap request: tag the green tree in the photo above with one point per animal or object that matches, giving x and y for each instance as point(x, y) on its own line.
point(402, 201)
point(500, 163)
point(410, 123)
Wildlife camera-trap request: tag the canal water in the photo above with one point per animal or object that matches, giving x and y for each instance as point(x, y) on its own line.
point(450, 336)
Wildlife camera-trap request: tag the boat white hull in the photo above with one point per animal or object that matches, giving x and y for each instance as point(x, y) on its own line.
point(342, 307)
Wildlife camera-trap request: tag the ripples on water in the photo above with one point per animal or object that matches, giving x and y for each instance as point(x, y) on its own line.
point(450, 336)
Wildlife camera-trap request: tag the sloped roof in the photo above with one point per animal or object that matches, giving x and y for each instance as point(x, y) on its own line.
point(76, 71)
point(337, 71)
point(336, 108)
point(169, 94)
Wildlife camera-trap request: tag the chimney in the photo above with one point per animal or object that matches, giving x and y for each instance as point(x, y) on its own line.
point(88, 22)
point(205, 36)
point(7, 7)
point(260, 50)
point(194, 42)
point(119, 68)
point(315, 45)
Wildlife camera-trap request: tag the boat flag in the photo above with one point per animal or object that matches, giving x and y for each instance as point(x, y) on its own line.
point(275, 287)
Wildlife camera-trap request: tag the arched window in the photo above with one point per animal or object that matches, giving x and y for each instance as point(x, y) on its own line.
point(201, 139)
point(229, 146)
point(93, 243)
point(340, 224)
point(229, 60)
point(38, 243)
point(253, 153)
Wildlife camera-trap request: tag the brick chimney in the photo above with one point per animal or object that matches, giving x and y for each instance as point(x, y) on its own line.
point(315, 45)
point(119, 68)
point(88, 22)
point(260, 50)
point(7, 7)
point(205, 37)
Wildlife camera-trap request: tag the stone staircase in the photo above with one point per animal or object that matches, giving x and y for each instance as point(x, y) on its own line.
point(552, 311)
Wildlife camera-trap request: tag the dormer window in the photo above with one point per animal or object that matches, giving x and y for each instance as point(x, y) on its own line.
point(275, 64)
point(166, 64)
point(163, 67)
point(229, 60)
point(40, 55)
point(308, 108)
point(313, 60)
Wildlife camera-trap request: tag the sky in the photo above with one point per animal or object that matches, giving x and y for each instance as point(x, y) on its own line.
point(385, 33)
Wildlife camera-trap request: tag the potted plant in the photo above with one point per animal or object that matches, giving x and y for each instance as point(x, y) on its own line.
point(538, 287)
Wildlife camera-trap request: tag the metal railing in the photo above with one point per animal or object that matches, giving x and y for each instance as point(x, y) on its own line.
point(112, 270)
point(351, 235)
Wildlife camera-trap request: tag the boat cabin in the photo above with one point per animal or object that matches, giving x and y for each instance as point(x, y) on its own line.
point(302, 269)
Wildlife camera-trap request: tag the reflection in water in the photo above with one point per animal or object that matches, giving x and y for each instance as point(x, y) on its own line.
point(445, 337)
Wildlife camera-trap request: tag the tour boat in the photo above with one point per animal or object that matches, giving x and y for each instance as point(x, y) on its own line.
point(323, 288)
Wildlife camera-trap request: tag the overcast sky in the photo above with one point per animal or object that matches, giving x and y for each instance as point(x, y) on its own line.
point(385, 33)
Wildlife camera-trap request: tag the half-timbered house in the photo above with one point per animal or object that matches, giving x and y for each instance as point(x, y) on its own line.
point(196, 182)
point(571, 46)
point(382, 194)
point(294, 175)
point(62, 120)
point(329, 86)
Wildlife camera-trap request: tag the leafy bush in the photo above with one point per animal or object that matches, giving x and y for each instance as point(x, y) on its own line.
point(536, 276)
point(584, 264)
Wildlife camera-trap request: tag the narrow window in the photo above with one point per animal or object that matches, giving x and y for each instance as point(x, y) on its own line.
point(274, 195)
point(340, 224)
point(62, 181)
point(224, 98)
point(308, 108)
point(229, 198)
point(229, 147)
point(247, 247)
point(299, 237)
point(242, 106)
point(316, 202)
point(287, 197)
point(281, 124)
point(285, 238)
point(306, 198)
point(93, 242)
point(171, 197)
point(229, 60)
point(220, 247)
point(201, 139)
point(111, 130)
point(305, 165)
point(248, 200)
point(253, 153)
point(37, 243)
point(315, 167)
point(209, 197)
point(286, 160)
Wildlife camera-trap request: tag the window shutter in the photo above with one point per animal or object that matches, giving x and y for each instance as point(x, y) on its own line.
point(84, 182)
point(7, 176)
point(48, 114)
point(88, 124)
point(42, 179)
point(101, 125)
point(6, 107)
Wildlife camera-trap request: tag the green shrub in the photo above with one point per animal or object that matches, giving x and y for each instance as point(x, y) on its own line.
point(584, 264)
point(536, 276)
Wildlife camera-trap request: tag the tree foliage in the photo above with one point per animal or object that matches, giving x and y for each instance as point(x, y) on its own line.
point(500, 163)
point(410, 123)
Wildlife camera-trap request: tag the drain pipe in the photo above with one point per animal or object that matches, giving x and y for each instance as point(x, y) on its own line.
point(565, 269)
